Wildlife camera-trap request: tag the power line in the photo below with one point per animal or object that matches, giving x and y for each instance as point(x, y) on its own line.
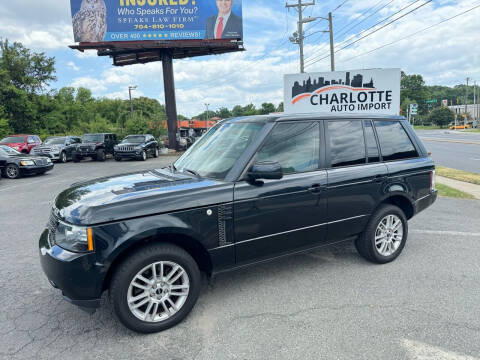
point(371, 27)
point(362, 14)
point(376, 30)
point(366, 18)
point(339, 6)
point(413, 34)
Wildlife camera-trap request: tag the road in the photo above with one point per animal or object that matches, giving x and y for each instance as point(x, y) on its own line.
point(326, 304)
point(457, 150)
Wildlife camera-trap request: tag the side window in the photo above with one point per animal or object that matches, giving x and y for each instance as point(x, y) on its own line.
point(295, 146)
point(394, 141)
point(347, 144)
point(30, 140)
point(372, 148)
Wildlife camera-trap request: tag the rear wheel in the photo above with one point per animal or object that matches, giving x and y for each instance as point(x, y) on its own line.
point(385, 235)
point(155, 288)
point(12, 171)
point(156, 152)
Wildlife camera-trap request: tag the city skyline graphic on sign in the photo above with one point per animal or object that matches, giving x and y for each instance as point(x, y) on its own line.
point(309, 87)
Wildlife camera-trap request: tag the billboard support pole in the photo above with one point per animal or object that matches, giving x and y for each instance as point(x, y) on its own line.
point(170, 101)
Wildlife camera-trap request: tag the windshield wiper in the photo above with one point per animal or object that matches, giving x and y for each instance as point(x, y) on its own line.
point(191, 172)
point(172, 168)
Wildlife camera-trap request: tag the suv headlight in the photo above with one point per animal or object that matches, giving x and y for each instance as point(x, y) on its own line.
point(27, 163)
point(74, 238)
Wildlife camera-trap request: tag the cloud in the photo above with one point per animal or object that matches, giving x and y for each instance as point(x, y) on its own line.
point(73, 66)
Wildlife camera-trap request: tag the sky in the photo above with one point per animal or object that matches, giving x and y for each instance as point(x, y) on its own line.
point(445, 54)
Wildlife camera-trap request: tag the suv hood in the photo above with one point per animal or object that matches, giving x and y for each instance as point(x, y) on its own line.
point(138, 194)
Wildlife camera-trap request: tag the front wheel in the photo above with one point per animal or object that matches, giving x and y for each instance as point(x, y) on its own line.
point(155, 288)
point(101, 156)
point(63, 157)
point(156, 152)
point(12, 171)
point(143, 156)
point(385, 235)
point(76, 159)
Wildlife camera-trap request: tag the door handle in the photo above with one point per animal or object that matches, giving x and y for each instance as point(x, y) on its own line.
point(316, 188)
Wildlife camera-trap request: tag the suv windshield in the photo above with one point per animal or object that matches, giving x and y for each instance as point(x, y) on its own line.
point(55, 141)
point(13, 139)
point(5, 150)
point(218, 150)
point(92, 138)
point(134, 139)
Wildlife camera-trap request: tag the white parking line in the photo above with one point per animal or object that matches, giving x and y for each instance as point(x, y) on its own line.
point(439, 232)
point(421, 351)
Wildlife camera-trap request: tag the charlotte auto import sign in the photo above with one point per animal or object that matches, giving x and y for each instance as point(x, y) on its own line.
point(138, 20)
point(375, 91)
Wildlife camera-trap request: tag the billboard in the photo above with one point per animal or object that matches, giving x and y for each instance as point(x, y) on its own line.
point(138, 20)
point(375, 91)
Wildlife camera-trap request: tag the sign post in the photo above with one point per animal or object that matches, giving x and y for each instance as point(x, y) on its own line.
point(413, 111)
point(375, 91)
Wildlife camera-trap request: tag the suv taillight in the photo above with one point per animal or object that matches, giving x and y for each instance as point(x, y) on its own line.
point(432, 180)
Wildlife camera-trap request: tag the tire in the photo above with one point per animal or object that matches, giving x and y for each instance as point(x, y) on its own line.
point(101, 155)
point(140, 262)
point(156, 152)
point(76, 159)
point(63, 157)
point(11, 171)
point(117, 158)
point(143, 156)
point(392, 243)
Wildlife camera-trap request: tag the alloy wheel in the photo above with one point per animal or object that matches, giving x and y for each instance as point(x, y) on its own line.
point(158, 291)
point(388, 235)
point(63, 157)
point(12, 171)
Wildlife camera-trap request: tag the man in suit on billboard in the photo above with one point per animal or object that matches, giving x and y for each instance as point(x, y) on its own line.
point(224, 25)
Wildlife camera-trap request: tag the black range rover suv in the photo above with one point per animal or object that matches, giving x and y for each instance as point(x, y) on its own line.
point(251, 189)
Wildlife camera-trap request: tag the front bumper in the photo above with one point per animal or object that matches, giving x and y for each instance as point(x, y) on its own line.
point(35, 169)
point(424, 202)
point(128, 154)
point(76, 275)
point(50, 155)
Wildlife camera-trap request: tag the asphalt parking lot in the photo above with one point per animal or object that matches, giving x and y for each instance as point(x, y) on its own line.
point(327, 304)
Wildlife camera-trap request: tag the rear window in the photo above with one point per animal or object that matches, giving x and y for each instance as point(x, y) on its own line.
point(347, 144)
point(394, 141)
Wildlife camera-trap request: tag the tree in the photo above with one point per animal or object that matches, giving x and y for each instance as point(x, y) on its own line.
point(27, 70)
point(413, 88)
point(267, 108)
point(442, 117)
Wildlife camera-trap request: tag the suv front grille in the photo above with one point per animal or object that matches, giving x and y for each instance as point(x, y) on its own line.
point(126, 148)
point(52, 228)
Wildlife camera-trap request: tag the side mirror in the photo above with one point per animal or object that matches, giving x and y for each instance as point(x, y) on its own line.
point(265, 170)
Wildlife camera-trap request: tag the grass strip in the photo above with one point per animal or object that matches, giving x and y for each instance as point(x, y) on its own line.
point(447, 191)
point(459, 175)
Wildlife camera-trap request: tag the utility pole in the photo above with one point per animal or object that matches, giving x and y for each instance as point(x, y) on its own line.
point(130, 89)
point(207, 105)
point(332, 55)
point(298, 36)
point(466, 106)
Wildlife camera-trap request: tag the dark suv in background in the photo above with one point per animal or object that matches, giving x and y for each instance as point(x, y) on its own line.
point(58, 148)
point(250, 190)
point(136, 147)
point(95, 146)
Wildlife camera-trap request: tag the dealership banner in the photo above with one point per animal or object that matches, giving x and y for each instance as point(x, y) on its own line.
point(375, 91)
point(138, 20)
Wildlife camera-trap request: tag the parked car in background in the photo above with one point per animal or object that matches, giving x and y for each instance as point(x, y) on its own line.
point(252, 189)
point(15, 164)
point(136, 147)
point(58, 148)
point(95, 146)
point(22, 143)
